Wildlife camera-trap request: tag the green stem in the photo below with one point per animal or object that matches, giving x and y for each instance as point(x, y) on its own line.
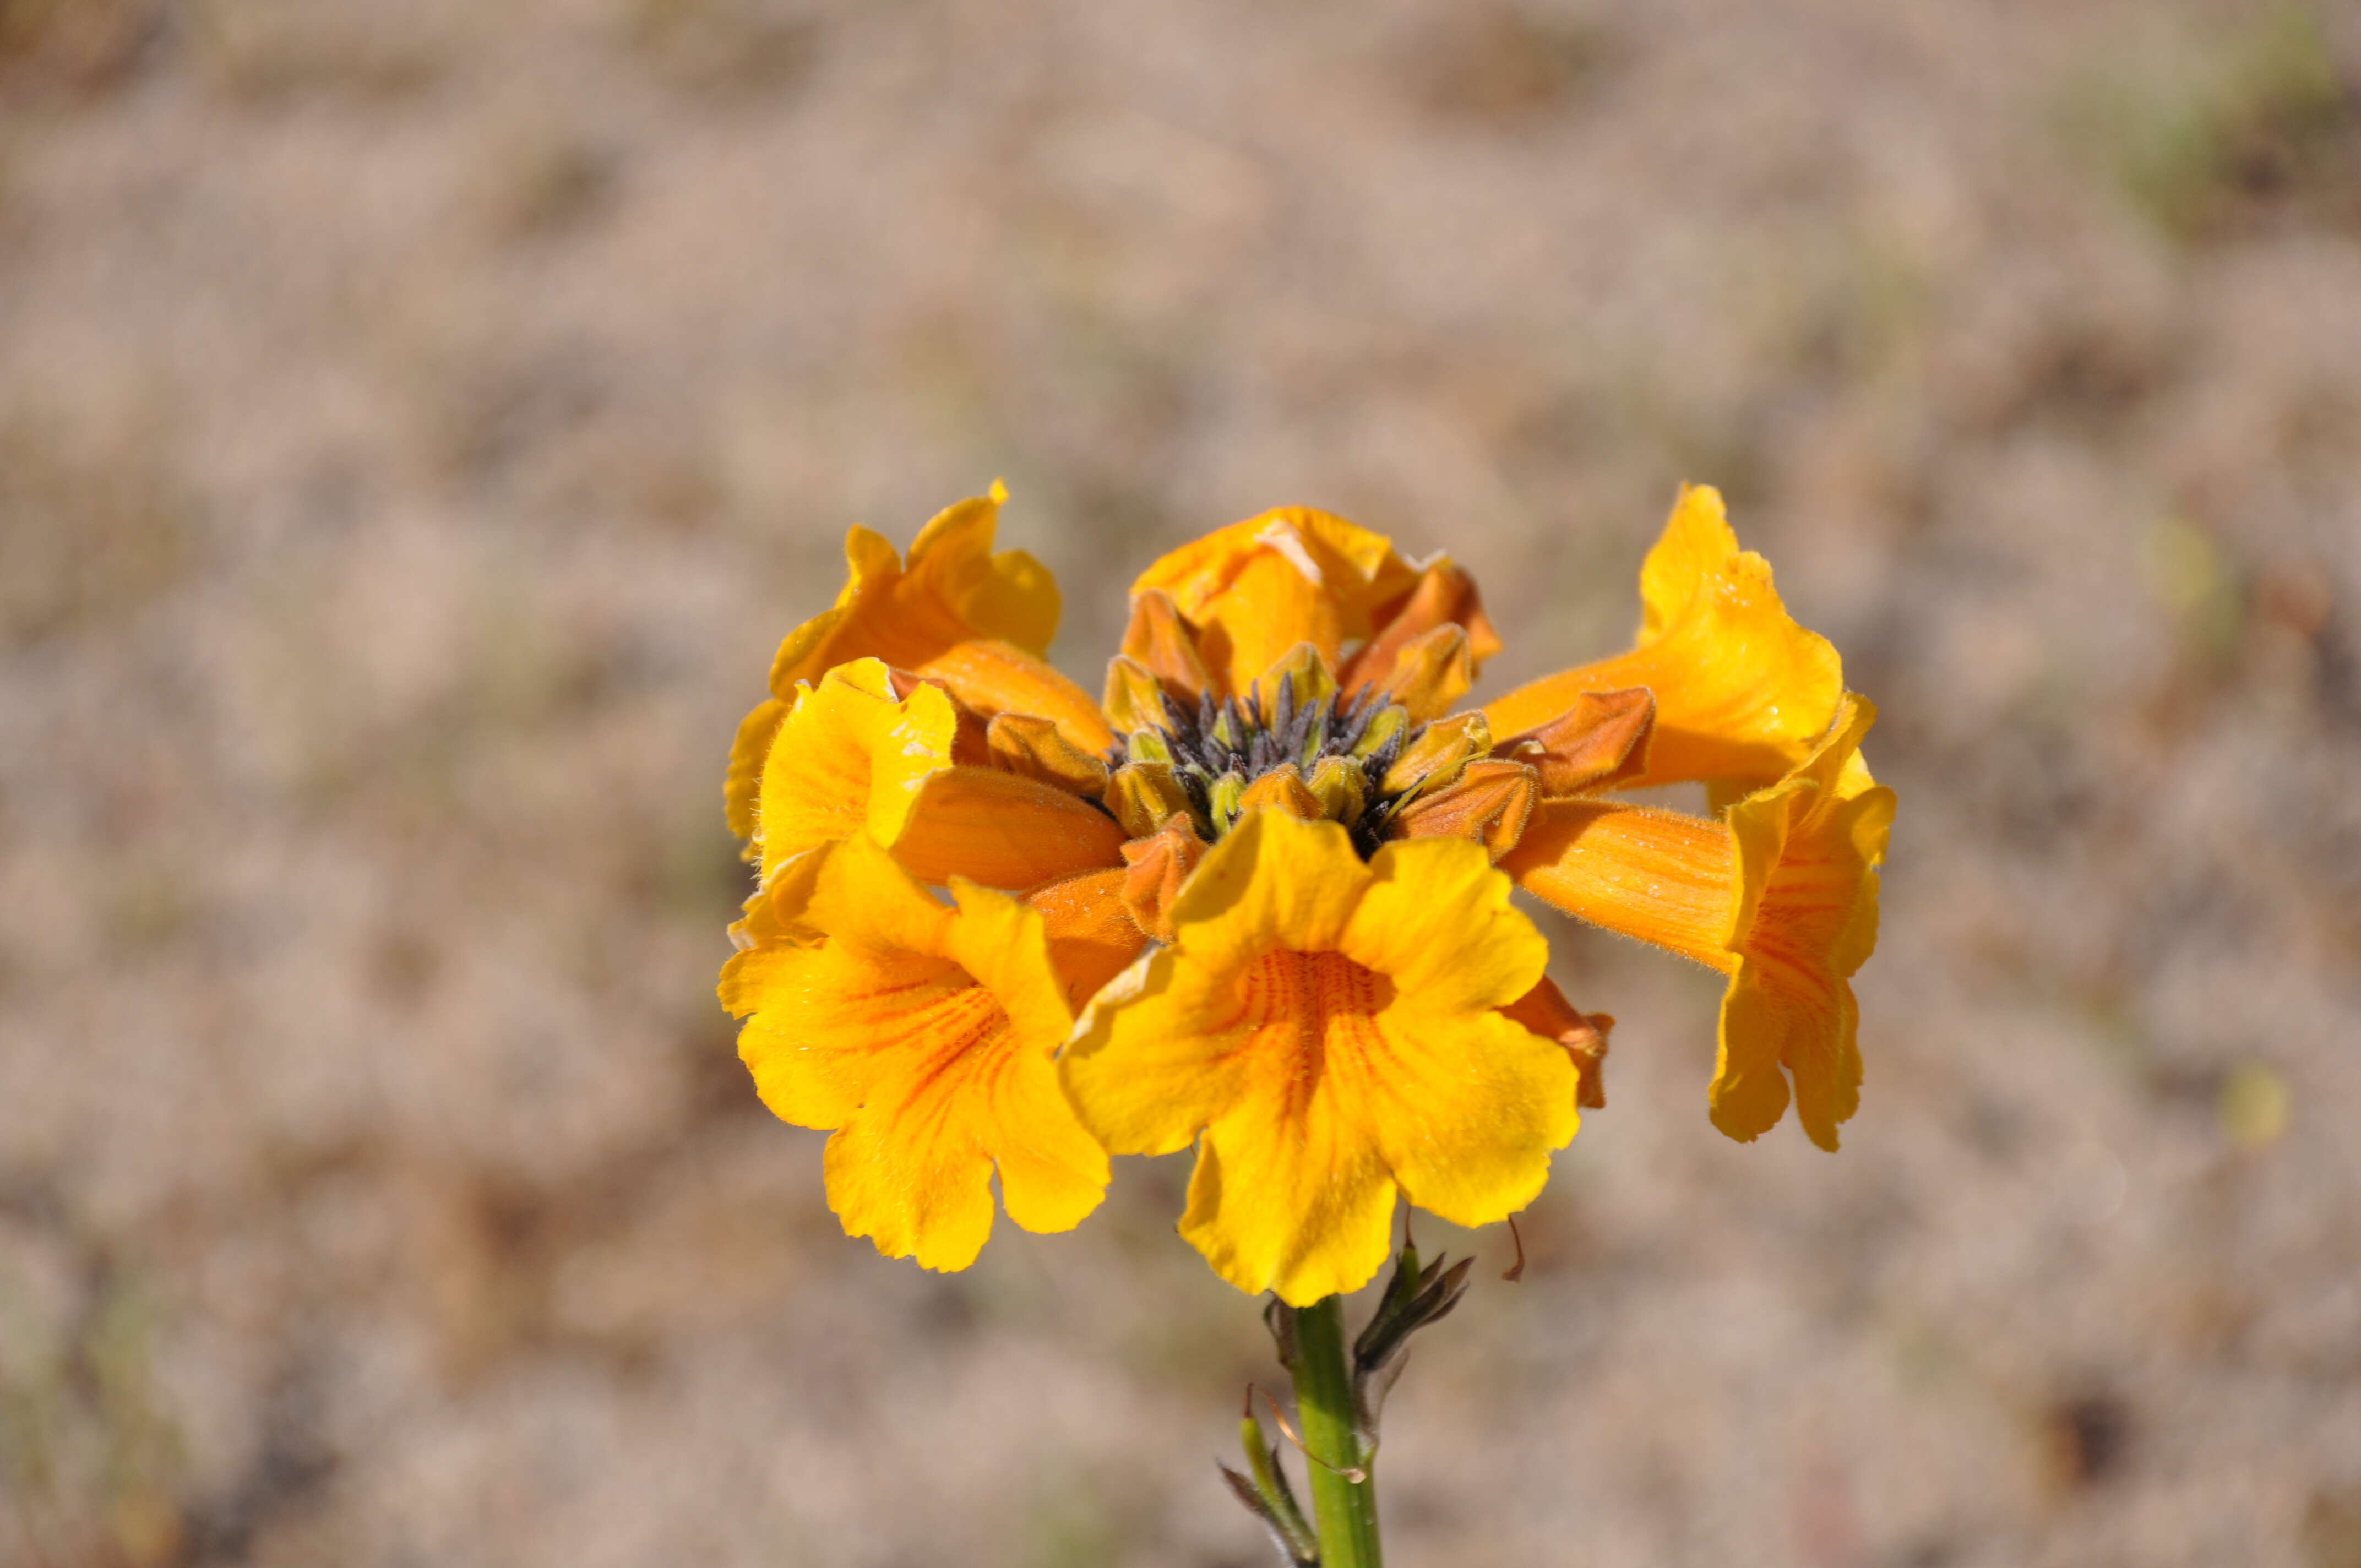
point(1346, 1509)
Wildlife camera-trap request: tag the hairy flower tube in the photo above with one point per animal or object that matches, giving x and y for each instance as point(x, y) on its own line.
point(1254, 897)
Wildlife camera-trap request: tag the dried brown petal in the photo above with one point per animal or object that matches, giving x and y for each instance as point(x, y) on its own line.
point(1545, 1011)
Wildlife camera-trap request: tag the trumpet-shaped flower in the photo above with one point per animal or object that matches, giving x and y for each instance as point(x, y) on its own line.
point(1781, 896)
point(923, 1034)
point(854, 755)
point(1742, 693)
point(1331, 1027)
point(953, 591)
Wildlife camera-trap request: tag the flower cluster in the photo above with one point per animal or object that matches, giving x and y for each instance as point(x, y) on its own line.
point(1256, 898)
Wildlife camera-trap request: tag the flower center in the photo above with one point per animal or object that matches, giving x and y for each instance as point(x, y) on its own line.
point(1327, 758)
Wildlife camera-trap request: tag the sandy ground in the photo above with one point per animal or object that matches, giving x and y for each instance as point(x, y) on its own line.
point(418, 422)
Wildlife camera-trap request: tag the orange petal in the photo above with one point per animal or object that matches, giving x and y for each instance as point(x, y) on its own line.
point(741, 788)
point(995, 678)
point(1002, 830)
point(1092, 937)
point(1161, 641)
point(1157, 867)
point(1804, 920)
point(953, 589)
point(1657, 875)
point(1743, 692)
point(1600, 740)
point(1253, 590)
point(1445, 595)
point(1430, 673)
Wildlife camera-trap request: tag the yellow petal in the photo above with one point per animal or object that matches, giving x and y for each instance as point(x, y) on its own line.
point(907, 1172)
point(1743, 692)
point(1158, 1056)
point(1696, 541)
point(923, 1034)
point(1291, 1193)
point(1002, 829)
point(850, 756)
point(1435, 916)
point(1464, 1108)
point(1804, 920)
point(1272, 878)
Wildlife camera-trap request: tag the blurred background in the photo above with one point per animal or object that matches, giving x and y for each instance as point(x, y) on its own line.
point(419, 424)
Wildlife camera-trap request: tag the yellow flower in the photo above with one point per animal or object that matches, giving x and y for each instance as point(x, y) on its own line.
point(923, 1034)
point(1781, 896)
point(1261, 870)
point(1742, 693)
point(852, 755)
point(1332, 1028)
point(953, 592)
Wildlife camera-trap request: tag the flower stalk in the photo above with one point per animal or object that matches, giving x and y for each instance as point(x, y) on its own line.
point(1344, 1492)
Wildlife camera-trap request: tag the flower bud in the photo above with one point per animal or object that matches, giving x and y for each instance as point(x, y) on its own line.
point(1143, 795)
point(1031, 745)
point(1491, 803)
point(1281, 789)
